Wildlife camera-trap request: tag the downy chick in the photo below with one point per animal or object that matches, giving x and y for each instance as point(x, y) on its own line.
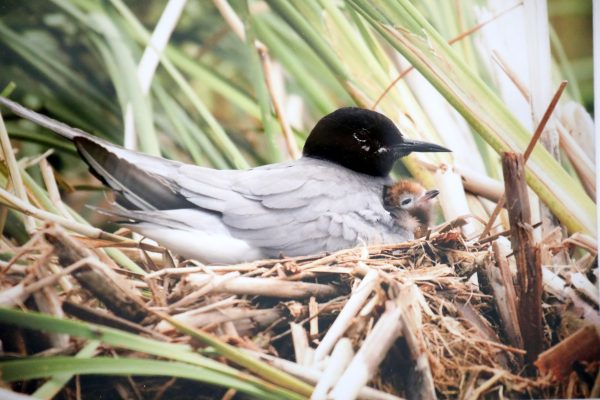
point(410, 205)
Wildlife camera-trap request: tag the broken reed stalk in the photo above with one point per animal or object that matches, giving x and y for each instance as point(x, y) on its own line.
point(124, 303)
point(375, 347)
point(583, 345)
point(344, 319)
point(312, 375)
point(526, 253)
point(506, 297)
point(341, 356)
point(419, 381)
point(270, 287)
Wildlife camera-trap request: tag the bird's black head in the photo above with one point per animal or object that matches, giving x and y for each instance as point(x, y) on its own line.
point(362, 140)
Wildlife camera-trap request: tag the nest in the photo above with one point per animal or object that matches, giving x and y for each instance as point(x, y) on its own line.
point(407, 320)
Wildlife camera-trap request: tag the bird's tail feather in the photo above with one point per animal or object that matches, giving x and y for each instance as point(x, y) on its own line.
point(130, 174)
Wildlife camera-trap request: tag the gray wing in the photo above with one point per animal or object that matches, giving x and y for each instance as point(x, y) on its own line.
point(297, 208)
point(301, 207)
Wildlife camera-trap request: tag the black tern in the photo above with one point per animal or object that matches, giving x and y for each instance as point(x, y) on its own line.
point(410, 205)
point(327, 200)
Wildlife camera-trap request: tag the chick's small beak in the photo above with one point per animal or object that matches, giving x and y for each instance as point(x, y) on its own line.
point(430, 194)
point(409, 145)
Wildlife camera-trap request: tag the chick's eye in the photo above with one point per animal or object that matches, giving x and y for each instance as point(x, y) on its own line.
point(406, 202)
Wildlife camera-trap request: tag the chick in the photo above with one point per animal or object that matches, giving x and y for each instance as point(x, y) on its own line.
point(411, 205)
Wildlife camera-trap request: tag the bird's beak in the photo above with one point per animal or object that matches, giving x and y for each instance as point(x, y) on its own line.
point(409, 145)
point(430, 194)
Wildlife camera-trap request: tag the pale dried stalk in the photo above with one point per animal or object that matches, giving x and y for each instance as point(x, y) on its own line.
point(340, 358)
point(582, 283)
point(583, 165)
point(420, 381)
point(452, 197)
point(300, 340)
point(203, 286)
point(555, 285)
point(480, 184)
point(497, 57)
point(24, 207)
point(344, 319)
point(585, 241)
point(288, 135)
point(366, 362)
point(312, 376)
point(313, 314)
point(14, 173)
point(52, 188)
point(263, 287)
point(232, 19)
point(19, 293)
point(505, 297)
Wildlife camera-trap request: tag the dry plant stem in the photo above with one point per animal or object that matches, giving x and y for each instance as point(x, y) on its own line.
point(21, 206)
point(480, 184)
point(375, 347)
point(585, 241)
point(115, 297)
point(579, 159)
point(419, 382)
point(344, 319)
point(340, 358)
point(312, 376)
point(455, 39)
point(232, 19)
point(313, 313)
point(527, 255)
point(505, 297)
point(583, 345)
point(582, 284)
point(300, 341)
point(288, 135)
point(14, 173)
point(555, 285)
point(52, 188)
point(263, 287)
point(534, 139)
point(497, 57)
point(453, 198)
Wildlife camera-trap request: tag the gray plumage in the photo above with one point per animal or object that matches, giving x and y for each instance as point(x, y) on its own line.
point(330, 199)
point(294, 208)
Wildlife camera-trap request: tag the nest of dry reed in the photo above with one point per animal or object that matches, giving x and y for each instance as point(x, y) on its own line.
point(410, 318)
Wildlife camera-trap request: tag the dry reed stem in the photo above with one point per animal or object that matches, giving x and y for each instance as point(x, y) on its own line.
point(344, 319)
point(375, 347)
point(583, 345)
point(270, 287)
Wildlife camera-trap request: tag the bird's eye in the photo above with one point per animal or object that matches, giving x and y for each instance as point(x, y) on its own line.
point(361, 136)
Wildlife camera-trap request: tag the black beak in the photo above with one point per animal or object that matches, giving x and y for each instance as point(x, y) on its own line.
point(430, 194)
point(409, 145)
